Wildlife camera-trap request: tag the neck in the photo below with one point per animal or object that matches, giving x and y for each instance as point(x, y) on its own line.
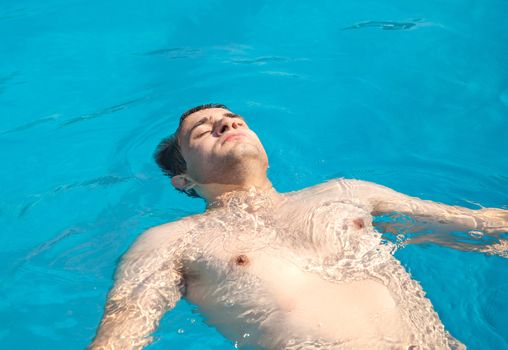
point(218, 195)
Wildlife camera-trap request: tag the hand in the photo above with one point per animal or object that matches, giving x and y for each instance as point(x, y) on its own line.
point(493, 220)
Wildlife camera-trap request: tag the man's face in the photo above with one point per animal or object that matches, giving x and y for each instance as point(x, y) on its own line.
point(216, 144)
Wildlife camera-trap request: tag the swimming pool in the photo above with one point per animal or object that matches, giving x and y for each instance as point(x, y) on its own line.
point(413, 96)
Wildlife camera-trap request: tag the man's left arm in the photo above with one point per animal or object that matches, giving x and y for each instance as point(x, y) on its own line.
point(383, 200)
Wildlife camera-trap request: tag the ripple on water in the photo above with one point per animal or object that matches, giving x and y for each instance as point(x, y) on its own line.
point(103, 181)
point(105, 111)
point(175, 52)
point(389, 25)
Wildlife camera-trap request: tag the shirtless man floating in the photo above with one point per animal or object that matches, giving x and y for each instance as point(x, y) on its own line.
point(269, 270)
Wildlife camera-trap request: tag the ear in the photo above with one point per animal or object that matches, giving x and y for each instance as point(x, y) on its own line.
point(181, 182)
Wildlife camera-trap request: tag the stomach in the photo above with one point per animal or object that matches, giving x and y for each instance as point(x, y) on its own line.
point(276, 302)
point(349, 311)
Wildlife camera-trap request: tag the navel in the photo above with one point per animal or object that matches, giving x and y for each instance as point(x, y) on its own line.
point(241, 260)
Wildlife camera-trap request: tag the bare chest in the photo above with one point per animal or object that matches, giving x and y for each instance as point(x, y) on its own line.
point(270, 288)
point(318, 270)
point(237, 259)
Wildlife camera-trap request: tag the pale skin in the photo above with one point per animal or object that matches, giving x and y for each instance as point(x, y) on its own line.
point(265, 272)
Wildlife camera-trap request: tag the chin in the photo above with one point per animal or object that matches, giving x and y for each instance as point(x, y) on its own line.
point(242, 150)
point(241, 156)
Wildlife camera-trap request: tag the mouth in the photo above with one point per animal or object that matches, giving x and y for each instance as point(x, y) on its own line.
point(232, 136)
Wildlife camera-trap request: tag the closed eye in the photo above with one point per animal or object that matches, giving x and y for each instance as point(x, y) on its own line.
point(203, 133)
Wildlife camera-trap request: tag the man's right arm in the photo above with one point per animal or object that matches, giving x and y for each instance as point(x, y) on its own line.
point(147, 284)
point(384, 200)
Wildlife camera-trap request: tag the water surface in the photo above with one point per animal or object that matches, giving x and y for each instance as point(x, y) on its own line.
point(410, 95)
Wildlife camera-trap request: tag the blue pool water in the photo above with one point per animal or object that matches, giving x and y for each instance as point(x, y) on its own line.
point(411, 95)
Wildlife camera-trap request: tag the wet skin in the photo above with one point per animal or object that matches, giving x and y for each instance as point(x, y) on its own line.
point(262, 287)
point(302, 270)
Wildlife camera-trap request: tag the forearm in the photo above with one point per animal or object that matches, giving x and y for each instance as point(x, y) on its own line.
point(127, 324)
point(136, 304)
point(122, 335)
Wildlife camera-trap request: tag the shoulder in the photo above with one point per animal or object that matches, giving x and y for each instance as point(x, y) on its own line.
point(163, 236)
point(155, 247)
point(341, 189)
point(344, 185)
point(333, 186)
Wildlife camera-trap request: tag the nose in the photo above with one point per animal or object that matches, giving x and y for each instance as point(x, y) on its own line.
point(226, 124)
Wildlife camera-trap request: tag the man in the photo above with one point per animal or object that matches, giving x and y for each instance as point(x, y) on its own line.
point(302, 270)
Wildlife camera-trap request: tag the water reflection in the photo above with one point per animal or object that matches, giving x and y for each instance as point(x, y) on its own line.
point(386, 25)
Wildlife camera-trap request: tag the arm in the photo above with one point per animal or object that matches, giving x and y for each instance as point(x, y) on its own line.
point(383, 200)
point(147, 284)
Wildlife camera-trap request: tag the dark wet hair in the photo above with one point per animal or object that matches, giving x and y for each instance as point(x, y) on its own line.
point(167, 154)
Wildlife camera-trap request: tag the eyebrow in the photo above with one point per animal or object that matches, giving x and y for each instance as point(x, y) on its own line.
point(233, 115)
point(206, 119)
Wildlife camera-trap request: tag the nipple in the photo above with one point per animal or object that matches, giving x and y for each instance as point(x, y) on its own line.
point(359, 224)
point(241, 260)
